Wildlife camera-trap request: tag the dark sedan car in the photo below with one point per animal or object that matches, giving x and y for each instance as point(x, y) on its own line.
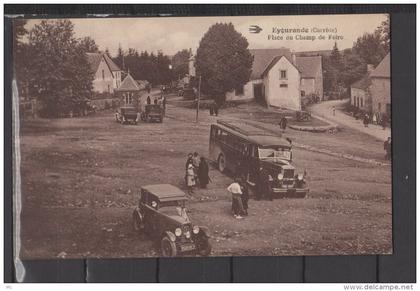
point(161, 213)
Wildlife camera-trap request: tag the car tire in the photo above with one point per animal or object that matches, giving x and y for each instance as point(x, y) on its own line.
point(167, 247)
point(205, 248)
point(221, 163)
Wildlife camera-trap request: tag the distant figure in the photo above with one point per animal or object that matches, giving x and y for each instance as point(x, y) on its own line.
point(196, 160)
point(189, 160)
point(155, 101)
point(263, 185)
point(387, 148)
point(216, 109)
point(383, 121)
point(366, 120)
point(203, 173)
point(190, 179)
point(148, 101)
point(283, 123)
point(374, 120)
point(333, 110)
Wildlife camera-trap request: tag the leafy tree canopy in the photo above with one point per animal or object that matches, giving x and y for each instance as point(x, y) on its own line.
point(223, 60)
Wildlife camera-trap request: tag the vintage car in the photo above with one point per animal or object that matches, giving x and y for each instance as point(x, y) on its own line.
point(126, 115)
point(152, 112)
point(161, 214)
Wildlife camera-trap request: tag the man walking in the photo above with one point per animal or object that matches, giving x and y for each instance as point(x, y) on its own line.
point(387, 148)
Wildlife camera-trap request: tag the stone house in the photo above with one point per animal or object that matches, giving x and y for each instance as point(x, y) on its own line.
point(372, 93)
point(107, 73)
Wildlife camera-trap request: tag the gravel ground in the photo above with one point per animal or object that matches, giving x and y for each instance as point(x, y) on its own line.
point(81, 176)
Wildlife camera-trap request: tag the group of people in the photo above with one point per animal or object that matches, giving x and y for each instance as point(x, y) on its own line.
point(156, 100)
point(196, 172)
point(375, 118)
point(240, 191)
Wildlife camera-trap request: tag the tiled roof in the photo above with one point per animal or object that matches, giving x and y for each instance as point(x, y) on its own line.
point(94, 60)
point(383, 70)
point(263, 57)
point(111, 64)
point(273, 62)
point(309, 66)
point(129, 84)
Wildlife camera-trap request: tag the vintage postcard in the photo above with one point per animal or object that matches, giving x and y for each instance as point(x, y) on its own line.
point(202, 136)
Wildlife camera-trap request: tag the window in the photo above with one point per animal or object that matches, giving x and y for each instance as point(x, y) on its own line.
point(128, 98)
point(361, 102)
point(283, 74)
point(283, 85)
point(239, 90)
point(379, 107)
point(103, 75)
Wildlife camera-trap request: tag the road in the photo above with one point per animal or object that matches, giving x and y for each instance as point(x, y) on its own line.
point(325, 110)
point(81, 177)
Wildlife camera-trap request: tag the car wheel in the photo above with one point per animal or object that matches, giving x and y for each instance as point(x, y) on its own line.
point(136, 223)
point(221, 162)
point(167, 247)
point(205, 248)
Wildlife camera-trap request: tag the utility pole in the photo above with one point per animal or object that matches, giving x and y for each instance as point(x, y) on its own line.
point(198, 98)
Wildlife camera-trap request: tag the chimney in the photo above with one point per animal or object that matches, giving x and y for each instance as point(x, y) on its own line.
point(370, 68)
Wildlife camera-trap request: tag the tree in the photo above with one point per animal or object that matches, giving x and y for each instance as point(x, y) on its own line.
point(370, 48)
point(180, 63)
point(119, 59)
point(88, 45)
point(223, 60)
point(383, 31)
point(59, 69)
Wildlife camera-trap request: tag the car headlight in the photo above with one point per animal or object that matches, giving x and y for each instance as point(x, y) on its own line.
point(300, 177)
point(178, 232)
point(280, 176)
point(196, 229)
point(188, 234)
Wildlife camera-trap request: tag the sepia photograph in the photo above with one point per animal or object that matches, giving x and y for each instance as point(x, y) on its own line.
point(202, 136)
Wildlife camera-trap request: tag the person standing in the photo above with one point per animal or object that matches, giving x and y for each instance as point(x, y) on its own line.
point(263, 185)
point(196, 161)
point(283, 123)
point(384, 121)
point(333, 110)
point(245, 195)
point(387, 148)
point(366, 120)
point(203, 173)
point(148, 100)
point(236, 192)
point(190, 179)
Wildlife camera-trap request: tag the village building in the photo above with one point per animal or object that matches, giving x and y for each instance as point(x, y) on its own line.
point(281, 79)
point(129, 93)
point(107, 73)
point(372, 93)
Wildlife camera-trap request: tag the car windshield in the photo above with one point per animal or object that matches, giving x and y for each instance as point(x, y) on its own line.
point(274, 154)
point(175, 211)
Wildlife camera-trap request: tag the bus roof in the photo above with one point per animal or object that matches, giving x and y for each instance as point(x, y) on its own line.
point(253, 133)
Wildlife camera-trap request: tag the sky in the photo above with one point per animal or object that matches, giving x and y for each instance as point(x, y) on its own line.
point(171, 34)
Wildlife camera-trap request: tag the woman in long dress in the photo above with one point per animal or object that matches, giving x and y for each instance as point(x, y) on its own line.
point(203, 173)
point(190, 178)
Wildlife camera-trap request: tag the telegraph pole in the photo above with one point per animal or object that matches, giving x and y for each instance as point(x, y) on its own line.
point(198, 98)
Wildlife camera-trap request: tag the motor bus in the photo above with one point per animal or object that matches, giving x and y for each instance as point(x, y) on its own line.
point(243, 148)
